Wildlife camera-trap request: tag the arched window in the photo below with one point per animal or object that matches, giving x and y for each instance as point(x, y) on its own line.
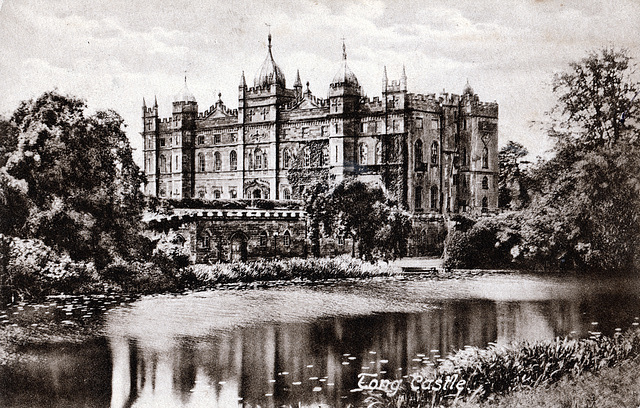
point(201, 193)
point(485, 158)
point(417, 154)
point(434, 197)
point(363, 153)
point(378, 153)
point(307, 157)
point(286, 158)
point(286, 239)
point(418, 197)
point(263, 239)
point(258, 158)
point(179, 240)
point(201, 162)
point(217, 161)
point(485, 183)
point(286, 194)
point(204, 240)
point(485, 204)
point(434, 153)
point(233, 160)
point(216, 194)
point(163, 164)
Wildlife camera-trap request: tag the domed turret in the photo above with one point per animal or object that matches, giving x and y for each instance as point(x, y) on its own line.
point(345, 75)
point(269, 73)
point(185, 94)
point(468, 90)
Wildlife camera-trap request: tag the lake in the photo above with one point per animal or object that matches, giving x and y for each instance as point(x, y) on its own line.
point(298, 345)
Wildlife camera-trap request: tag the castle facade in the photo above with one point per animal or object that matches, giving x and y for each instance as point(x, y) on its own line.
point(436, 154)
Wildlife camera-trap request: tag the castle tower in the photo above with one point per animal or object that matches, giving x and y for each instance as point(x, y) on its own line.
point(180, 152)
point(150, 149)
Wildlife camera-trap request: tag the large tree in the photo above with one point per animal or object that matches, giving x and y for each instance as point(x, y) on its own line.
point(512, 181)
point(81, 185)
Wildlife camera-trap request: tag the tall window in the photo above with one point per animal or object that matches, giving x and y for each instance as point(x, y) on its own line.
point(363, 153)
point(464, 156)
point(258, 159)
point(263, 239)
point(378, 153)
point(233, 160)
point(307, 157)
point(286, 194)
point(325, 156)
point(434, 197)
point(434, 153)
point(204, 240)
point(485, 183)
point(417, 154)
point(250, 160)
point(163, 164)
point(216, 194)
point(177, 163)
point(485, 204)
point(201, 162)
point(287, 239)
point(217, 161)
point(286, 158)
point(200, 139)
point(485, 158)
point(418, 197)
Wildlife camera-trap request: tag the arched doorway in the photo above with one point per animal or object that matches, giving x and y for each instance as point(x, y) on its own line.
point(257, 193)
point(238, 247)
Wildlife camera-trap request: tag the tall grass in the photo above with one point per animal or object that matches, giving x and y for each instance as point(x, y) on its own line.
point(498, 370)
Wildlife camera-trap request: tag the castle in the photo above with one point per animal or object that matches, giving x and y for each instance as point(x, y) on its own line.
point(436, 154)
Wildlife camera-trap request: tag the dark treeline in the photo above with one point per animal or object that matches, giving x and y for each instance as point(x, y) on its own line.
point(579, 209)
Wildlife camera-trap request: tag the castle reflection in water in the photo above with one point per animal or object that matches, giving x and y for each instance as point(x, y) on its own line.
point(313, 364)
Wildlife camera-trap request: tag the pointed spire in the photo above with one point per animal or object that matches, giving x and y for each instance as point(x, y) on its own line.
point(403, 79)
point(344, 50)
point(385, 80)
point(298, 81)
point(243, 82)
point(404, 72)
point(155, 103)
point(144, 103)
point(269, 39)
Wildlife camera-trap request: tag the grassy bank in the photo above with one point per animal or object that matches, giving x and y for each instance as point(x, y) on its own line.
point(479, 377)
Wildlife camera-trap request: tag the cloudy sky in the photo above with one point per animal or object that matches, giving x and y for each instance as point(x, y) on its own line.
point(113, 53)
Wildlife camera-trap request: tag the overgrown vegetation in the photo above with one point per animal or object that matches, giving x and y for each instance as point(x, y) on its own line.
point(476, 374)
point(580, 209)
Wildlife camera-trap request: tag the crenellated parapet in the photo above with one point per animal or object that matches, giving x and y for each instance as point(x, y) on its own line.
point(488, 109)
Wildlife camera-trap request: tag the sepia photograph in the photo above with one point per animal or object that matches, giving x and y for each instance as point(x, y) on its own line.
point(320, 204)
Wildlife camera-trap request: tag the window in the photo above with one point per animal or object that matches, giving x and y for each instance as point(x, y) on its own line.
point(286, 158)
point(455, 179)
point(264, 161)
point(335, 126)
point(250, 160)
point(177, 161)
point(485, 158)
point(217, 161)
point(216, 194)
point(435, 124)
point(286, 194)
point(434, 197)
point(378, 153)
point(257, 193)
point(418, 198)
point(307, 157)
point(162, 142)
point(201, 162)
point(200, 139)
point(417, 154)
point(233, 193)
point(363, 153)
point(324, 131)
point(485, 204)
point(305, 132)
point(325, 156)
point(163, 164)
point(464, 156)
point(217, 138)
point(434, 153)
point(286, 239)
point(263, 239)
point(336, 154)
point(418, 123)
point(485, 183)
point(258, 158)
point(204, 240)
point(395, 125)
point(233, 160)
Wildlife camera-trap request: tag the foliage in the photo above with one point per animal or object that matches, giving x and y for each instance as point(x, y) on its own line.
point(512, 181)
point(498, 370)
point(82, 188)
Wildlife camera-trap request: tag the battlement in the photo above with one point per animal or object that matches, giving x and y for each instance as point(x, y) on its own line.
point(149, 111)
point(489, 109)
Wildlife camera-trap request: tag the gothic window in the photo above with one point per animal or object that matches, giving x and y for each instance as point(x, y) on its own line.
point(250, 115)
point(378, 153)
point(233, 160)
point(250, 161)
point(417, 154)
point(264, 161)
point(204, 240)
point(485, 158)
point(363, 153)
point(307, 157)
point(418, 123)
point(162, 142)
point(485, 183)
point(286, 194)
point(263, 239)
point(287, 239)
point(216, 194)
point(325, 156)
point(217, 138)
point(201, 162)
point(201, 139)
point(258, 159)
point(217, 161)
point(485, 204)
point(434, 197)
point(163, 164)
point(177, 163)
point(434, 153)
point(286, 158)
point(418, 198)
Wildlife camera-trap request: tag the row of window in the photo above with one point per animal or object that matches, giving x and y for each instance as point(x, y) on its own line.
point(417, 148)
point(204, 239)
point(434, 197)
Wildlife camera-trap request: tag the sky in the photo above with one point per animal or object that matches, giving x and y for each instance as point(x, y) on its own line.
point(115, 53)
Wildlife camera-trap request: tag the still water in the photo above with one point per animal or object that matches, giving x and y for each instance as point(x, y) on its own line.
point(305, 345)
